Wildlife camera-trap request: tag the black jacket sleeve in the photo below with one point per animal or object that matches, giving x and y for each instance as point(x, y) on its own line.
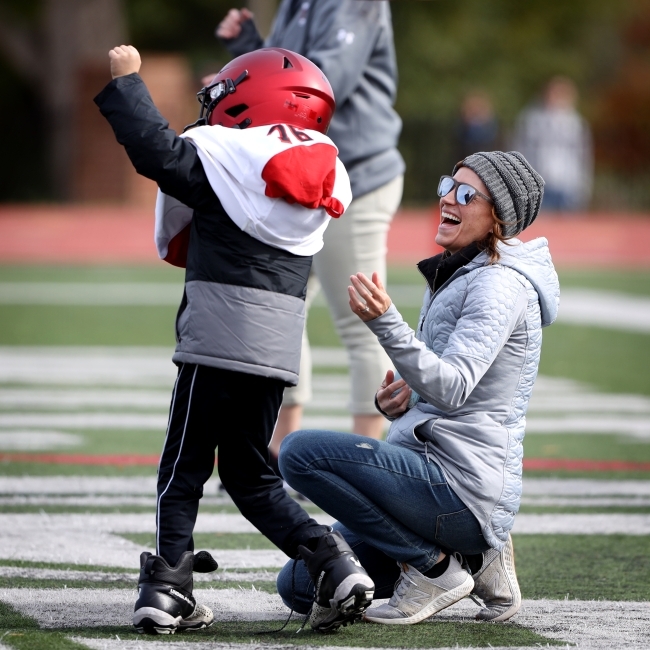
point(154, 149)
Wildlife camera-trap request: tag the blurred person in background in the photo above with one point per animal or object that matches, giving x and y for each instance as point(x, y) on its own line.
point(448, 479)
point(351, 41)
point(557, 142)
point(478, 128)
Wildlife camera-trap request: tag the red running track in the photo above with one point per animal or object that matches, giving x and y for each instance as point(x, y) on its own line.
point(78, 234)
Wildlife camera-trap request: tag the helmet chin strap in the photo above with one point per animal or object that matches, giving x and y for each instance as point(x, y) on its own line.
point(210, 96)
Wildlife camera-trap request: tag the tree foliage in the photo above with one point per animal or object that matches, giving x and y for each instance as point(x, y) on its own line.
point(445, 48)
point(507, 47)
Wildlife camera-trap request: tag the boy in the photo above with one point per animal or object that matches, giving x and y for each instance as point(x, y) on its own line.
point(243, 209)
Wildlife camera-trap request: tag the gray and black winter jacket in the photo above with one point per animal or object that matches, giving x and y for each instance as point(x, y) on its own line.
point(243, 308)
point(351, 41)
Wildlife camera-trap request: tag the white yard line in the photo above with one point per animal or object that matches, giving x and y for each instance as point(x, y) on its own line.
point(90, 539)
point(577, 306)
point(93, 539)
point(557, 405)
point(605, 309)
point(24, 398)
point(116, 501)
point(583, 487)
point(80, 524)
point(150, 422)
point(587, 502)
point(589, 624)
point(36, 440)
point(636, 427)
point(108, 576)
point(83, 485)
point(146, 485)
point(91, 293)
point(80, 491)
point(87, 366)
point(581, 524)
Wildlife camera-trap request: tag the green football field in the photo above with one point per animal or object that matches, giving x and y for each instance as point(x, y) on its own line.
point(85, 380)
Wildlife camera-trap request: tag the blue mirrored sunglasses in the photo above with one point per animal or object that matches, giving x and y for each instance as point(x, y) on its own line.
point(465, 193)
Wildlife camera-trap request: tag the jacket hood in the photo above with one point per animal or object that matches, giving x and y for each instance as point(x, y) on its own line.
point(533, 260)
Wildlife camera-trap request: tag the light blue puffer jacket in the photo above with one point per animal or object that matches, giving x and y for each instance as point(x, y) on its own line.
point(474, 361)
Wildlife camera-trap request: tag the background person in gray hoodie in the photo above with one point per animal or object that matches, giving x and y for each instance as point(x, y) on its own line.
point(448, 478)
point(352, 42)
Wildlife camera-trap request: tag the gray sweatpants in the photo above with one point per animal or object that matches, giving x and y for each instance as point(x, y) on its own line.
point(355, 242)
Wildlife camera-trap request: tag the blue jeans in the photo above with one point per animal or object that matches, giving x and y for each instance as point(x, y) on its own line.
point(392, 505)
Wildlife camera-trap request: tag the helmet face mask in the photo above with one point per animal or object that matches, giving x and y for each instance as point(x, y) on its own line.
point(268, 86)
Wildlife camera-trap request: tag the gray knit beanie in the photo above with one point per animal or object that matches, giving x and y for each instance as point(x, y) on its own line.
point(516, 188)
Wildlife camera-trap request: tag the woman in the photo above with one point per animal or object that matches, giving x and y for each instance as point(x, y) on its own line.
point(439, 497)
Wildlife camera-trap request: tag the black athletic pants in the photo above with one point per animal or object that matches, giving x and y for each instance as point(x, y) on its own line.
point(234, 413)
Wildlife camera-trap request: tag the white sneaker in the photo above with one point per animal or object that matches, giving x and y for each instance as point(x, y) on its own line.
point(496, 584)
point(417, 597)
point(201, 618)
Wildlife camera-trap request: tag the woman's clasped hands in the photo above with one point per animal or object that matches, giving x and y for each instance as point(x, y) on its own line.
point(393, 395)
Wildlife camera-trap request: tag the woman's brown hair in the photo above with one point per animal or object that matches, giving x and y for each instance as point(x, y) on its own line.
point(491, 241)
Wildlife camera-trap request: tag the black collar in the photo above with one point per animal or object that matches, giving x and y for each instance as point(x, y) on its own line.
point(439, 268)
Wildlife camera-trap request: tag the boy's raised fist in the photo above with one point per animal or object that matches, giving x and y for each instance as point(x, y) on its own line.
point(125, 59)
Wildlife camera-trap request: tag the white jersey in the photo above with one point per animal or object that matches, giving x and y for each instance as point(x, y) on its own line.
point(278, 183)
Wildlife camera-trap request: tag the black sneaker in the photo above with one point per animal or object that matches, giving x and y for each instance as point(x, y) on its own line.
point(165, 601)
point(343, 588)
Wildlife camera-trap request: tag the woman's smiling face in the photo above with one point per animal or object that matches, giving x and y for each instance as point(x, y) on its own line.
point(461, 225)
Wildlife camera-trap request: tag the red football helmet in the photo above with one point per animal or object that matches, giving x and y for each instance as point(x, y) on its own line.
point(268, 86)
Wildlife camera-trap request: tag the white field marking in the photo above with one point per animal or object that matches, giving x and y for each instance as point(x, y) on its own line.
point(328, 396)
point(24, 398)
point(146, 485)
point(114, 501)
point(605, 309)
point(34, 440)
point(589, 624)
point(108, 576)
point(622, 425)
point(581, 524)
point(90, 539)
point(594, 625)
point(122, 293)
point(329, 358)
point(140, 491)
point(608, 309)
point(586, 502)
point(61, 608)
point(580, 306)
point(87, 366)
point(85, 420)
point(329, 422)
point(589, 403)
point(629, 426)
point(117, 365)
point(91, 293)
point(113, 366)
point(584, 487)
point(86, 485)
point(124, 523)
